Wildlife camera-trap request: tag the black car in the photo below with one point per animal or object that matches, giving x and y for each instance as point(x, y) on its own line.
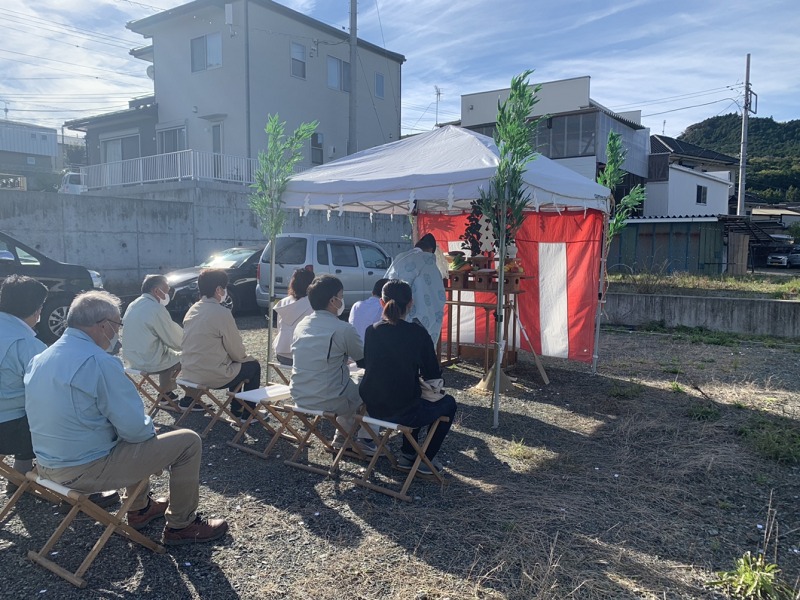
point(63, 281)
point(240, 264)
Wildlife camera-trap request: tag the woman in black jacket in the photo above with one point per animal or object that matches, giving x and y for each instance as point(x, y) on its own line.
point(396, 355)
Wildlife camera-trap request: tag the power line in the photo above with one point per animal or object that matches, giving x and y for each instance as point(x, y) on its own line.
point(50, 22)
point(686, 107)
point(679, 97)
point(63, 62)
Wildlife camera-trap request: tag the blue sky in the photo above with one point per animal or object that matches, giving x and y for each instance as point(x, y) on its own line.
point(679, 62)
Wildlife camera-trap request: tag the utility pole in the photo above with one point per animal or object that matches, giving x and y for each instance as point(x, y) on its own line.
point(352, 140)
point(746, 110)
point(438, 95)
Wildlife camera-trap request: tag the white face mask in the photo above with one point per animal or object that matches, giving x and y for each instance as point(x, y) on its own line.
point(224, 297)
point(340, 310)
point(165, 300)
point(112, 344)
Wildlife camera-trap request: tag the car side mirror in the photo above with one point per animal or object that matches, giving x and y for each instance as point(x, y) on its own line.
point(6, 256)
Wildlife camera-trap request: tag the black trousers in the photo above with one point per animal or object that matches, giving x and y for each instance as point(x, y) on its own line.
point(251, 372)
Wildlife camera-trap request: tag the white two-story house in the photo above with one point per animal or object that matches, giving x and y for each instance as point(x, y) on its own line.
point(686, 180)
point(575, 130)
point(219, 69)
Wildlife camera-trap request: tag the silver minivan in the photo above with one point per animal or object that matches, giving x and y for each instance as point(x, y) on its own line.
point(357, 262)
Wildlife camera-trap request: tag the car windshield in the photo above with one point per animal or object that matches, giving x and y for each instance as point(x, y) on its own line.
point(227, 259)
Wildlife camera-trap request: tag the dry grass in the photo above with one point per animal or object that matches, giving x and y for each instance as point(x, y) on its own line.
point(596, 486)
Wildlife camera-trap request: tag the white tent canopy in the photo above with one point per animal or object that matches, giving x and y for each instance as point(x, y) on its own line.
point(441, 170)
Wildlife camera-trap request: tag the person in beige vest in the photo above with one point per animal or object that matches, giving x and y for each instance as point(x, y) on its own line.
point(213, 351)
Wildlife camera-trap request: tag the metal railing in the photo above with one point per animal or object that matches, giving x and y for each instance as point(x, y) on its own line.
point(173, 166)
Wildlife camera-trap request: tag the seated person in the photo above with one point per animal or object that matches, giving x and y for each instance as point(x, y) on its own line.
point(396, 355)
point(367, 312)
point(92, 434)
point(213, 351)
point(322, 347)
point(152, 338)
point(290, 310)
point(21, 300)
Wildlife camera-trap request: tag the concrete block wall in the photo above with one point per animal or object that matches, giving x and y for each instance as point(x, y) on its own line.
point(159, 228)
point(746, 316)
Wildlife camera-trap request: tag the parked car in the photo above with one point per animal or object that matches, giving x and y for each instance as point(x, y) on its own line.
point(778, 259)
point(241, 265)
point(357, 262)
point(64, 281)
point(72, 183)
point(785, 257)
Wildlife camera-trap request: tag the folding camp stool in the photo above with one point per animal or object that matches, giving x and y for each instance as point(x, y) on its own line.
point(279, 369)
point(312, 420)
point(114, 522)
point(23, 485)
point(148, 389)
point(266, 400)
point(373, 427)
point(216, 408)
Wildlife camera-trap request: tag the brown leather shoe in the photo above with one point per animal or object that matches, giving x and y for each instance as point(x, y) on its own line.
point(202, 530)
point(155, 509)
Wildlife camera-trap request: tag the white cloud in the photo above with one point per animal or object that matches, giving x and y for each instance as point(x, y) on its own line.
point(634, 51)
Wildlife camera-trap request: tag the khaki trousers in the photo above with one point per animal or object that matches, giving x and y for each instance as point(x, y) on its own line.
point(166, 378)
point(179, 451)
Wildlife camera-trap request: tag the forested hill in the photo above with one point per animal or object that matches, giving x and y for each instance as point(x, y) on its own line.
point(773, 152)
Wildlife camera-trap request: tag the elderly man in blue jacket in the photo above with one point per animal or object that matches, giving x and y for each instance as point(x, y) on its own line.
point(92, 433)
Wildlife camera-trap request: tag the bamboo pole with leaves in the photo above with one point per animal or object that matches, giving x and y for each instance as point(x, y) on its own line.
point(275, 167)
point(505, 200)
point(611, 177)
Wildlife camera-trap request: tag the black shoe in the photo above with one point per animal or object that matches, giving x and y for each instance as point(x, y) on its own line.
point(101, 499)
point(186, 401)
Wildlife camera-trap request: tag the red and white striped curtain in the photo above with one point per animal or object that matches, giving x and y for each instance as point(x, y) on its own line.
point(560, 253)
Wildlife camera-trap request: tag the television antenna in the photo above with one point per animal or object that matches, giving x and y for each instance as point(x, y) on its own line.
point(438, 96)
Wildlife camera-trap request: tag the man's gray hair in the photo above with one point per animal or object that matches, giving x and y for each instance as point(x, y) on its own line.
point(151, 282)
point(90, 308)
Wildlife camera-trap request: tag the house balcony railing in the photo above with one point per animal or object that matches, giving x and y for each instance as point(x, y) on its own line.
point(173, 166)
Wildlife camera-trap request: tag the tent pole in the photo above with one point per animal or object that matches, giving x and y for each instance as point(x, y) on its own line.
point(601, 295)
point(498, 315)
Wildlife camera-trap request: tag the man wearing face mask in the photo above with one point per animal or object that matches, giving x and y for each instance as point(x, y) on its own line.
point(92, 434)
point(322, 346)
point(152, 338)
point(213, 351)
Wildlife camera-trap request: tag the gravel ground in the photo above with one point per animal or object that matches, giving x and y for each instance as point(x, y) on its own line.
point(632, 483)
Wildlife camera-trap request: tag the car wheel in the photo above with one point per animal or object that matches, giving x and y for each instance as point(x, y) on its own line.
point(53, 321)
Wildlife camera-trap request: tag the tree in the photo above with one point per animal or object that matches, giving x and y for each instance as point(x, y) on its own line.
point(611, 177)
point(275, 167)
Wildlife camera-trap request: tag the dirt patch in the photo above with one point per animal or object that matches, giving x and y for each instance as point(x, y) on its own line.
point(632, 483)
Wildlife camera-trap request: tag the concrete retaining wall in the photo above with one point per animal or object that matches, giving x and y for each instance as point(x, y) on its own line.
point(778, 318)
point(155, 229)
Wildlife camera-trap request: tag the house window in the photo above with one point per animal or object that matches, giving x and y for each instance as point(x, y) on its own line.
point(379, 85)
point(206, 52)
point(317, 141)
point(122, 148)
point(338, 74)
point(171, 140)
point(298, 60)
point(702, 194)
